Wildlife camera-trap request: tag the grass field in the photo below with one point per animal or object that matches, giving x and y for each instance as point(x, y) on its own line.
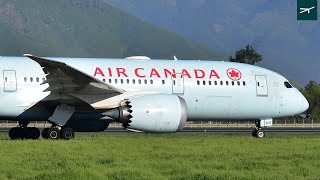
point(163, 156)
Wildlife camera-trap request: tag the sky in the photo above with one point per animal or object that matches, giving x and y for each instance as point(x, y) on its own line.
point(289, 46)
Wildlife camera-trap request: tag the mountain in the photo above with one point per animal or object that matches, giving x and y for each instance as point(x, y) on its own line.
point(289, 46)
point(86, 28)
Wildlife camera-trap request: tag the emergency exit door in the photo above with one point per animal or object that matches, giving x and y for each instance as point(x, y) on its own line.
point(178, 84)
point(10, 81)
point(262, 86)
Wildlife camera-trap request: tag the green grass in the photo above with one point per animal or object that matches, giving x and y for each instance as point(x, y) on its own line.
point(163, 156)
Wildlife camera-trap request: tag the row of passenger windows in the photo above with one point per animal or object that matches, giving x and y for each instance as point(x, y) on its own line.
point(133, 81)
point(233, 83)
point(139, 81)
point(31, 79)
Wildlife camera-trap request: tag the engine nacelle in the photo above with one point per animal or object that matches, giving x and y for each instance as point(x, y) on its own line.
point(154, 113)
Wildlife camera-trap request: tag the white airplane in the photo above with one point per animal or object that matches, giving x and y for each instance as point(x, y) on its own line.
point(82, 94)
point(303, 10)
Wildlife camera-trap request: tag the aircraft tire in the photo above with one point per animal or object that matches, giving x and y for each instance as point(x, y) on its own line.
point(254, 133)
point(67, 133)
point(260, 133)
point(13, 133)
point(44, 133)
point(33, 133)
point(53, 133)
point(21, 133)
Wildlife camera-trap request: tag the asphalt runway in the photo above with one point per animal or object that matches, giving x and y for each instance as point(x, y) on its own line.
point(237, 130)
point(225, 130)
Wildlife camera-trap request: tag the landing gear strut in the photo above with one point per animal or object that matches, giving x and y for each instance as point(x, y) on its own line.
point(258, 131)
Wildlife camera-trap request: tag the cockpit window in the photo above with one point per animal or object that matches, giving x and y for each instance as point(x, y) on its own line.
point(288, 85)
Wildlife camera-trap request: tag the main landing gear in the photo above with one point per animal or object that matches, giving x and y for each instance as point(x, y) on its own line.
point(58, 133)
point(21, 132)
point(258, 131)
point(24, 132)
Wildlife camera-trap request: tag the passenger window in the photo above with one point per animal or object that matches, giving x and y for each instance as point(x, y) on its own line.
point(6, 79)
point(215, 83)
point(198, 82)
point(288, 85)
point(31, 79)
point(232, 83)
point(139, 81)
point(43, 79)
point(116, 81)
point(25, 79)
point(110, 81)
point(133, 81)
point(227, 83)
point(121, 81)
point(210, 83)
point(238, 83)
point(145, 81)
point(37, 79)
point(221, 83)
point(244, 83)
point(204, 82)
point(163, 82)
point(128, 81)
point(151, 81)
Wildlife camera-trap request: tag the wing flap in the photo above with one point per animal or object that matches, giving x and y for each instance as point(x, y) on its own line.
point(67, 80)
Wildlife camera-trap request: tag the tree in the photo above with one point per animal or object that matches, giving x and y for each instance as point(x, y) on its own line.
point(247, 55)
point(312, 93)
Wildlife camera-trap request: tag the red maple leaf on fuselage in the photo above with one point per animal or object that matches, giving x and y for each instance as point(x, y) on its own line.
point(234, 74)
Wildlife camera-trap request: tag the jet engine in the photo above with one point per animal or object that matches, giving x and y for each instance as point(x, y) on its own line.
point(151, 113)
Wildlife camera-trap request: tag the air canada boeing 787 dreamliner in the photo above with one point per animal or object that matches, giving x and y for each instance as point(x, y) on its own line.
point(82, 94)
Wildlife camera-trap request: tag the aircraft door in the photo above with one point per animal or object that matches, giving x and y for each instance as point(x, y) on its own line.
point(262, 86)
point(10, 81)
point(178, 84)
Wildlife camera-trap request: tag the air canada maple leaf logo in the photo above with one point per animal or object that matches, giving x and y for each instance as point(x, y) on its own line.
point(234, 74)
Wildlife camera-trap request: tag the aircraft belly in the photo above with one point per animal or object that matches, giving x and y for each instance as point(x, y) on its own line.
point(195, 107)
point(217, 107)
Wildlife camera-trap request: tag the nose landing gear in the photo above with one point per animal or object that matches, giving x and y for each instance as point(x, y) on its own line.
point(258, 132)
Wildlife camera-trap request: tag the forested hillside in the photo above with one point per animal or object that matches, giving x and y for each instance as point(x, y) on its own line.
point(86, 28)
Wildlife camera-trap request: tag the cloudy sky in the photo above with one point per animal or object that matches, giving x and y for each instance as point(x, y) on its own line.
point(289, 46)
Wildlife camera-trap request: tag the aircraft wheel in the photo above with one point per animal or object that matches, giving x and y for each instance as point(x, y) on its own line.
point(254, 133)
point(67, 133)
point(45, 133)
point(53, 133)
point(21, 133)
point(260, 133)
point(33, 133)
point(13, 133)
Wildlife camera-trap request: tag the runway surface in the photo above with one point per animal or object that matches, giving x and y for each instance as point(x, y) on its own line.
point(225, 130)
point(236, 130)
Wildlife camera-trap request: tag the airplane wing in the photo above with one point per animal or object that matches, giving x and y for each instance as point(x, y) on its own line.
point(65, 80)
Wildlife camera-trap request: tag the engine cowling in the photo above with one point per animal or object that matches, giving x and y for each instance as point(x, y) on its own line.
point(154, 113)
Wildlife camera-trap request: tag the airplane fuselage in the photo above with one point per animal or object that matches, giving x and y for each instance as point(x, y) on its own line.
point(212, 90)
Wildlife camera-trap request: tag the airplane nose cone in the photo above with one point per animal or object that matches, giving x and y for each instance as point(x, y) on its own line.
point(305, 104)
